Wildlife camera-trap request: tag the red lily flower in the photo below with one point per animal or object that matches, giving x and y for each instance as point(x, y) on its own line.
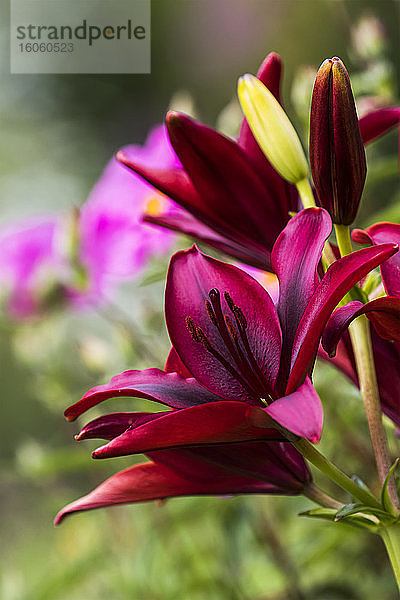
point(384, 313)
point(241, 373)
point(235, 200)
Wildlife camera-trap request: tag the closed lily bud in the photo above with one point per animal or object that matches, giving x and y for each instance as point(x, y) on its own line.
point(272, 129)
point(337, 154)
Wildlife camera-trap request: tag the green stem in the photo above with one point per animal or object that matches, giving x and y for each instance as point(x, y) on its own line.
point(306, 194)
point(334, 473)
point(362, 347)
point(314, 493)
point(391, 539)
point(343, 239)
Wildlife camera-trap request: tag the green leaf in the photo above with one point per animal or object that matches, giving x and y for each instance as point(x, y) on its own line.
point(352, 509)
point(347, 510)
point(329, 515)
point(386, 501)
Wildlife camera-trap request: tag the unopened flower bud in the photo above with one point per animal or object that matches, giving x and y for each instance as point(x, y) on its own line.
point(272, 129)
point(337, 154)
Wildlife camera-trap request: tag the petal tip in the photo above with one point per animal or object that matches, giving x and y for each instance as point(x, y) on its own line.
point(69, 416)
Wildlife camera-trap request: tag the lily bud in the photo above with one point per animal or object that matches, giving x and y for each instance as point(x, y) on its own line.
point(272, 129)
point(337, 154)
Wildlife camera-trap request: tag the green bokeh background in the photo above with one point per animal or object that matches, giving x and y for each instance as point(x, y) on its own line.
point(57, 134)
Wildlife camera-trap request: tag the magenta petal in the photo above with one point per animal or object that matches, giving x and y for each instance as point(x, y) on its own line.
point(150, 481)
point(168, 388)
point(110, 426)
point(338, 280)
point(191, 276)
point(214, 423)
point(270, 74)
point(302, 240)
point(387, 362)
point(299, 412)
point(225, 179)
point(277, 463)
point(174, 183)
point(382, 233)
point(175, 365)
point(337, 324)
point(343, 359)
point(378, 122)
point(384, 314)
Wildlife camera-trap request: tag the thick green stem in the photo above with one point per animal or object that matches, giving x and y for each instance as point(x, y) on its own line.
point(362, 346)
point(334, 473)
point(391, 539)
point(306, 194)
point(314, 493)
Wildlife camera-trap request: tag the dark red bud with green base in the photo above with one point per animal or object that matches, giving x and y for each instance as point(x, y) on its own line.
point(337, 154)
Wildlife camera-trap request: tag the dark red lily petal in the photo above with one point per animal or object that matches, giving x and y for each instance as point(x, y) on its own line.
point(381, 233)
point(225, 179)
point(341, 276)
point(191, 277)
point(302, 240)
point(337, 325)
point(176, 184)
point(175, 365)
point(247, 251)
point(168, 388)
point(383, 312)
point(270, 74)
point(387, 363)
point(276, 463)
point(378, 122)
point(110, 426)
point(343, 359)
point(300, 412)
point(214, 423)
point(151, 481)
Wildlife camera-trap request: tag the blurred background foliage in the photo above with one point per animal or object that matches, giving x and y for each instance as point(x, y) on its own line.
point(57, 134)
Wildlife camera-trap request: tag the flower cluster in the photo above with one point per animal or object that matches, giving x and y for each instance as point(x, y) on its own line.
point(239, 406)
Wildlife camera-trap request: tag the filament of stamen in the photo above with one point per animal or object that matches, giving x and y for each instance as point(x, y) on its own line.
point(199, 336)
point(247, 372)
point(241, 323)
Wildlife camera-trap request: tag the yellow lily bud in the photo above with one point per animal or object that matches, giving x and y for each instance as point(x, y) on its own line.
point(272, 129)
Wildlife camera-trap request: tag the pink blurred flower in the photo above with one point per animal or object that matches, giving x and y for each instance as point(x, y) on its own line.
point(30, 259)
point(84, 258)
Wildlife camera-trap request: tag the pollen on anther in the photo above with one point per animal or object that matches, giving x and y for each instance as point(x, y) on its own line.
point(203, 339)
point(229, 300)
point(231, 329)
point(240, 316)
point(210, 313)
point(192, 329)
